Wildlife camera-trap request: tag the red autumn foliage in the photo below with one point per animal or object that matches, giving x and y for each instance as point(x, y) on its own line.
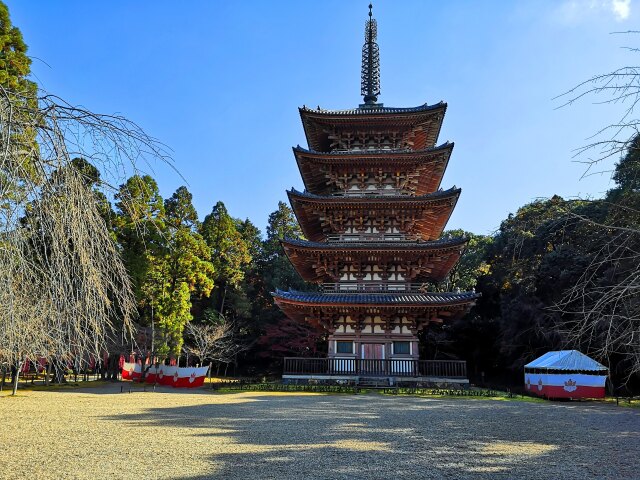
point(289, 338)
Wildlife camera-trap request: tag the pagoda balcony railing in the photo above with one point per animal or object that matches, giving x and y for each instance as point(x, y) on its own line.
point(372, 237)
point(374, 287)
point(397, 367)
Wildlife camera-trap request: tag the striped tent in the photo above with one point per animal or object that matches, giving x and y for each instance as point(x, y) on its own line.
point(565, 374)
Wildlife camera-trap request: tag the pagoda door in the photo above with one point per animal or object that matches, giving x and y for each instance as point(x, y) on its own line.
point(372, 362)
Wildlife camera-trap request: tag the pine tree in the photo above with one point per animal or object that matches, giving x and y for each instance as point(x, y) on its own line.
point(252, 238)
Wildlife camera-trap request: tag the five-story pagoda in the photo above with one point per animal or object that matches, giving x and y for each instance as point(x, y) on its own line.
point(373, 212)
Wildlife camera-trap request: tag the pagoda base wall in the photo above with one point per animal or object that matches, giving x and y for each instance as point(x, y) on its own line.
point(373, 346)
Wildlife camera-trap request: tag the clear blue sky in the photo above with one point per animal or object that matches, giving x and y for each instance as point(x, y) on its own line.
point(220, 83)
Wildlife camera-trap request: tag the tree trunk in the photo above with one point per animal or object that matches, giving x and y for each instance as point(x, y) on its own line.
point(16, 377)
point(235, 364)
point(143, 365)
point(59, 369)
point(224, 295)
point(47, 373)
point(112, 367)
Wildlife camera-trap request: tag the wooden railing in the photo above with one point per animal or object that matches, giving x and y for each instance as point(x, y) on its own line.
point(369, 367)
point(373, 287)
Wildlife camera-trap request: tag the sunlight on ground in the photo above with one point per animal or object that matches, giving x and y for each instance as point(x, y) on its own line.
point(360, 446)
point(516, 448)
point(495, 456)
point(498, 456)
point(346, 444)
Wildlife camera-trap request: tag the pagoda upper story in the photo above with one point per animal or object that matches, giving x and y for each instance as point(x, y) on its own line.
point(373, 217)
point(373, 171)
point(373, 127)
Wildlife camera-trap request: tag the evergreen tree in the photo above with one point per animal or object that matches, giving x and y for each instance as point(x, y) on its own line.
point(281, 224)
point(15, 64)
point(184, 273)
point(276, 272)
point(276, 269)
point(229, 252)
point(252, 238)
point(464, 275)
point(180, 211)
point(92, 178)
point(140, 231)
point(625, 196)
point(536, 255)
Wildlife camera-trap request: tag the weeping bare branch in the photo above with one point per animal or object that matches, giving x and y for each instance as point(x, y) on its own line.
point(618, 87)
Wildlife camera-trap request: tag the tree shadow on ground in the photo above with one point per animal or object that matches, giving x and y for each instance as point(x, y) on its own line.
point(375, 436)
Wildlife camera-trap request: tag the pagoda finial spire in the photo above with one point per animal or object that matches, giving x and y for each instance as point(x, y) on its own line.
point(370, 78)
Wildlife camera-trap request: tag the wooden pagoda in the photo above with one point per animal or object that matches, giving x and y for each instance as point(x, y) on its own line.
point(373, 213)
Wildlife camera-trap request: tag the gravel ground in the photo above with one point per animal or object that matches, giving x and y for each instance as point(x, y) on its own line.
point(101, 433)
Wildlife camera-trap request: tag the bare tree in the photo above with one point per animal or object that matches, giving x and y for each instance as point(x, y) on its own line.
point(217, 343)
point(621, 87)
point(605, 302)
point(64, 291)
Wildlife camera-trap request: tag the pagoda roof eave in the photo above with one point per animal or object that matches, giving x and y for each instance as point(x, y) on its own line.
point(425, 308)
point(452, 192)
point(376, 299)
point(312, 260)
point(373, 110)
point(338, 156)
point(441, 244)
point(307, 208)
point(312, 165)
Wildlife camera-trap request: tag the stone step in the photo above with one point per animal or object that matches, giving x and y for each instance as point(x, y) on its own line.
point(373, 382)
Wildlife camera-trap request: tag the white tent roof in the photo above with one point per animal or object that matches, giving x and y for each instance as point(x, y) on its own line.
point(566, 360)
